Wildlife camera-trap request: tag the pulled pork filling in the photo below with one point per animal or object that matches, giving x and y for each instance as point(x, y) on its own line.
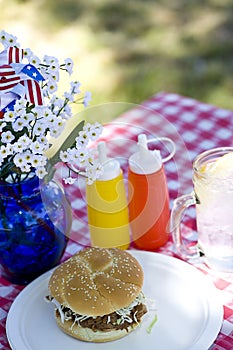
point(120, 319)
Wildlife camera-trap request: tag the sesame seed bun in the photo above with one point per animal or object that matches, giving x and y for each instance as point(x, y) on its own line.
point(97, 281)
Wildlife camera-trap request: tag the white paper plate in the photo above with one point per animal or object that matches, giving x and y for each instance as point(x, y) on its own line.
point(189, 313)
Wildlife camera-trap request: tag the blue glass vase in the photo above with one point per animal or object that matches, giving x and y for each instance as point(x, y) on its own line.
point(35, 221)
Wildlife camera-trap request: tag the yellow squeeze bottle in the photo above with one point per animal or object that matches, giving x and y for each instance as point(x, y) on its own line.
point(107, 206)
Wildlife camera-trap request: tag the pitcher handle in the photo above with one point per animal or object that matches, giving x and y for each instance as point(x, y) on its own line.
point(179, 207)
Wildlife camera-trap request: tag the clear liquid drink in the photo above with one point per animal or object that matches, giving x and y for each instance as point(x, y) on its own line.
point(213, 196)
point(215, 214)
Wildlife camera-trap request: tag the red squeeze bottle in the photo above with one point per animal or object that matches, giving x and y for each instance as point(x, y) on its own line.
point(149, 211)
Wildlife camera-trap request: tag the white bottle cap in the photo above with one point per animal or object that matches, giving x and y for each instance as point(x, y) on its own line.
point(145, 161)
point(111, 167)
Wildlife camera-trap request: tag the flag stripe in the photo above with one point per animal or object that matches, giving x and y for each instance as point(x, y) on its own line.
point(8, 78)
point(39, 95)
point(6, 73)
point(33, 92)
point(6, 69)
point(8, 85)
point(15, 55)
point(10, 52)
point(30, 91)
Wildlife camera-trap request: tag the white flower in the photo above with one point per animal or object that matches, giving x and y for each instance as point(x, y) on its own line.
point(19, 107)
point(25, 168)
point(3, 38)
point(82, 154)
point(9, 116)
point(87, 98)
point(20, 160)
point(10, 149)
point(56, 123)
point(18, 147)
point(75, 87)
point(41, 172)
point(40, 111)
point(60, 123)
point(38, 161)
point(57, 102)
point(7, 136)
point(69, 65)
point(28, 53)
point(43, 141)
point(53, 66)
point(27, 118)
point(69, 180)
point(7, 39)
point(51, 60)
point(25, 141)
point(69, 96)
point(54, 76)
point(39, 128)
point(55, 131)
point(44, 114)
point(34, 60)
point(28, 156)
point(93, 130)
point(72, 157)
point(18, 124)
point(92, 172)
point(4, 151)
point(82, 139)
point(51, 120)
point(37, 147)
point(64, 156)
point(51, 86)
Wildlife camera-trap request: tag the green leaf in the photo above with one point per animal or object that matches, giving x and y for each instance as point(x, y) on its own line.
point(69, 142)
point(6, 169)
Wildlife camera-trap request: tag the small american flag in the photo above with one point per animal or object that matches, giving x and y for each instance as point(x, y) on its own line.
point(27, 76)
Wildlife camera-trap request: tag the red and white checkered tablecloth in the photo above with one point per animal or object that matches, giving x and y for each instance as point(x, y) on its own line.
point(194, 127)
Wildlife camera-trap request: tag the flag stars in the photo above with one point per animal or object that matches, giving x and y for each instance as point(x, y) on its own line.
point(34, 74)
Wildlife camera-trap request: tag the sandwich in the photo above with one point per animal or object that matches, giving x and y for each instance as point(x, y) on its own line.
point(98, 295)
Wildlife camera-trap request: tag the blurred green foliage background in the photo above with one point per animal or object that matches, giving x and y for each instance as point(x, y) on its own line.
point(128, 50)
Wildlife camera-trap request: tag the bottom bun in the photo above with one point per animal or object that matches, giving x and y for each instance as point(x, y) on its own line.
point(86, 334)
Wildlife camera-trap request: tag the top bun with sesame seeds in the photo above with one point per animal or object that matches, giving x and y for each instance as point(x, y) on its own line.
point(98, 294)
